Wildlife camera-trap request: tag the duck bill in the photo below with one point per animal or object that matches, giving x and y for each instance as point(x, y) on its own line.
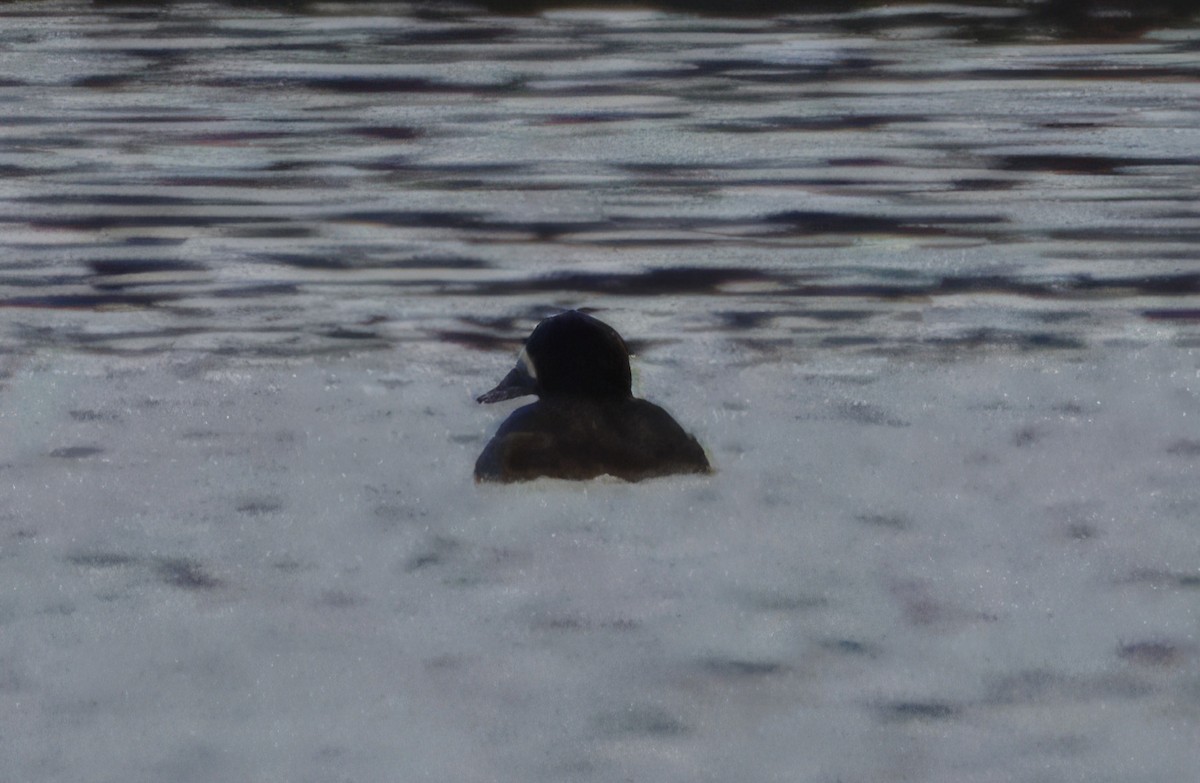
point(517, 383)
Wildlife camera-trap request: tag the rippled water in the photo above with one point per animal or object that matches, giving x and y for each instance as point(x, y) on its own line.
point(217, 565)
point(256, 182)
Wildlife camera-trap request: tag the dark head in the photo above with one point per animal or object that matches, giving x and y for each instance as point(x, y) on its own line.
point(570, 354)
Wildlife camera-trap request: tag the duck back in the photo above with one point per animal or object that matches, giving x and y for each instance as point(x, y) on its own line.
point(582, 438)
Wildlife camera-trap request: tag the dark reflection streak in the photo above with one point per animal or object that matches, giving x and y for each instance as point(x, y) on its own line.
point(87, 301)
point(1126, 234)
point(847, 223)
point(105, 81)
point(32, 282)
point(865, 71)
point(348, 84)
point(595, 118)
point(1075, 287)
point(177, 116)
point(796, 222)
point(1083, 164)
point(1100, 73)
point(134, 266)
point(342, 262)
point(456, 220)
point(387, 132)
point(343, 333)
point(132, 200)
point(1182, 314)
point(274, 231)
point(270, 178)
point(402, 166)
point(109, 222)
point(447, 35)
point(702, 281)
point(265, 290)
point(799, 123)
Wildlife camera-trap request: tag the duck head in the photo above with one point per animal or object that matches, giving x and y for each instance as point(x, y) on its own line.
point(570, 354)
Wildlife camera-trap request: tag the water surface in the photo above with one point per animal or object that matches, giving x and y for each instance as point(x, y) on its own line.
point(925, 287)
point(207, 177)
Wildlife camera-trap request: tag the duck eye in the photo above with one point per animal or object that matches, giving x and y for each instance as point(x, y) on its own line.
point(527, 364)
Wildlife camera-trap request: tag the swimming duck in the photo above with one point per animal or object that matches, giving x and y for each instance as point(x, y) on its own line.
point(586, 422)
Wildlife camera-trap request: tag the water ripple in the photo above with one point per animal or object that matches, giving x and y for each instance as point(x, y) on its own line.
point(251, 179)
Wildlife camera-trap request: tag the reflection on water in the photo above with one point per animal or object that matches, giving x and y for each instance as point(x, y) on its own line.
point(256, 181)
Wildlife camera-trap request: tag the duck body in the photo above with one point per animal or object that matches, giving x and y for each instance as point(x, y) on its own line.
point(577, 438)
point(586, 422)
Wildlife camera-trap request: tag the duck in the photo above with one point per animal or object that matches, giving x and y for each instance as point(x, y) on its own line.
point(586, 422)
